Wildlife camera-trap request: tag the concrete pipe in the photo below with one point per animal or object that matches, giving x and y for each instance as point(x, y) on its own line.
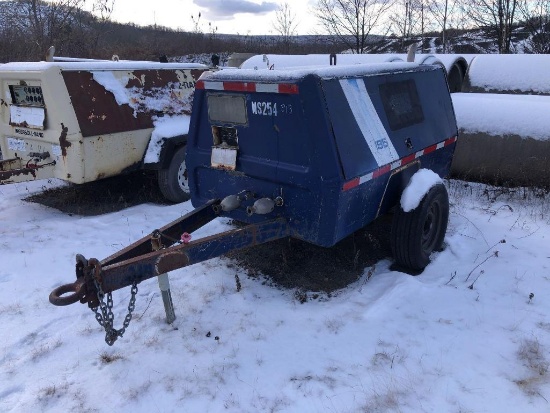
point(511, 74)
point(503, 139)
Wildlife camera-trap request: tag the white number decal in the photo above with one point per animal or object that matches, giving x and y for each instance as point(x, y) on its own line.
point(286, 109)
point(264, 108)
point(381, 144)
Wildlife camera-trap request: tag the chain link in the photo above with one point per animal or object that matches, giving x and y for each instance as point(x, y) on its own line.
point(104, 314)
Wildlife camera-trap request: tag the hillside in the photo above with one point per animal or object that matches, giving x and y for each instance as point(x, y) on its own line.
point(81, 34)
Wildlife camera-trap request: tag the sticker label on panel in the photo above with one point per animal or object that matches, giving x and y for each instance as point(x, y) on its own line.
point(15, 144)
point(368, 121)
point(28, 117)
point(224, 158)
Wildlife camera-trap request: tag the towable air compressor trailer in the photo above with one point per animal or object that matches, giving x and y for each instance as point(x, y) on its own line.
point(312, 153)
point(81, 121)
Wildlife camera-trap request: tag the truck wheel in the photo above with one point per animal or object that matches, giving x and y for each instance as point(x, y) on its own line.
point(172, 181)
point(417, 233)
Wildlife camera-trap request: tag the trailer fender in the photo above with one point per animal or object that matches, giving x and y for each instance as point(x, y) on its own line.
point(397, 183)
point(168, 148)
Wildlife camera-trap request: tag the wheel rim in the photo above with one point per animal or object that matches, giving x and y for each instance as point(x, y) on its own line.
point(430, 228)
point(182, 177)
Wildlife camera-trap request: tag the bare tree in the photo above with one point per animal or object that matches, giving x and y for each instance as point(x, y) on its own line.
point(285, 24)
point(61, 23)
point(407, 19)
point(351, 22)
point(497, 16)
point(536, 14)
point(442, 12)
point(103, 9)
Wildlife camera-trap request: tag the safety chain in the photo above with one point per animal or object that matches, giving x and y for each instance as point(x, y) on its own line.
point(105, 318)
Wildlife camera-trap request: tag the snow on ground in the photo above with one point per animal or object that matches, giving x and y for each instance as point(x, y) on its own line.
point(464, 336)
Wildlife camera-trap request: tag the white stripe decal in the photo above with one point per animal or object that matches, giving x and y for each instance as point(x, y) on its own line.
point(267, 87)
point(213, 85)
point(368, 121)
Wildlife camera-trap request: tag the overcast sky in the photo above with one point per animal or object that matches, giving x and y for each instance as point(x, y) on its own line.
point(229, 16)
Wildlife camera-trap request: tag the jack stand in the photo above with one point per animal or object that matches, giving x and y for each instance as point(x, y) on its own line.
point(164, 284)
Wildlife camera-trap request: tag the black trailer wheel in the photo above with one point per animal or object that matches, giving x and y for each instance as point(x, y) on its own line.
point(417, 233)
point(172, 181)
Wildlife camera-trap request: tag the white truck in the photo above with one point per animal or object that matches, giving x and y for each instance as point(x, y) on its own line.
point(84, 121)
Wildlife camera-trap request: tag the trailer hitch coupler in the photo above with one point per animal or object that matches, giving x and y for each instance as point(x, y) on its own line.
point(60, 297)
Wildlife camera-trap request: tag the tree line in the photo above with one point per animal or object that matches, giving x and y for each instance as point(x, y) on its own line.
point(83, 28)
point(406, 20)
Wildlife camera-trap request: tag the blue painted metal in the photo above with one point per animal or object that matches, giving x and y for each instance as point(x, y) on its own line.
point(308, 156)
point(141, 260)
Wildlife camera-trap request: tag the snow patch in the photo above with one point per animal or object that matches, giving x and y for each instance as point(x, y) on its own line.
point(296, 73)
point(97, 65)
point(419, 185)
point(110, 83)
point(165, 127)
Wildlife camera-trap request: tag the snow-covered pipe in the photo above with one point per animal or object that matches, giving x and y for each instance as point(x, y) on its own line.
point(455, 65)
point(503, 139)
point(516, 73)
point(276, 62)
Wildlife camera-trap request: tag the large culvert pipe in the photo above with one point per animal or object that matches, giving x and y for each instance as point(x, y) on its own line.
point(276, 62)
point(511, 74)
point(503, 139)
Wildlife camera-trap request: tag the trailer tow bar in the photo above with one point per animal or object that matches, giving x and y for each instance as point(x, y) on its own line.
point(140, 261)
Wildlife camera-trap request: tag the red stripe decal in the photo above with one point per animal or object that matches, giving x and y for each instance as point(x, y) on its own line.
point(351, 184)
point(239, 86)
point(450, 140)
point(404, 161)
point(408, 159)
point(430, 149)
point(288, 88)
point(381, 171)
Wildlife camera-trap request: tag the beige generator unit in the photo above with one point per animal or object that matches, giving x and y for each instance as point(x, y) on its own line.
point(84, 121)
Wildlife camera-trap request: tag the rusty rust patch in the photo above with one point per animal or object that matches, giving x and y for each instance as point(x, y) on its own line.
point(5, 175)
point(171, 261)
point(149, 79)
point(96, 109)
point(63, 142)
point(23, 124)
point(98, 112)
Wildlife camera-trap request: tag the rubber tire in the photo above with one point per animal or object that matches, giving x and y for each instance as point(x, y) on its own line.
point(417, 233)
point(173, 183)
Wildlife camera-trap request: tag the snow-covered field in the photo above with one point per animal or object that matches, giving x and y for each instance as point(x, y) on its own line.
point(470, 334)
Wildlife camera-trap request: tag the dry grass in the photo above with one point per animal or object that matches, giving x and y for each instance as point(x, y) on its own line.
point(532, 354)
point(108, 358)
